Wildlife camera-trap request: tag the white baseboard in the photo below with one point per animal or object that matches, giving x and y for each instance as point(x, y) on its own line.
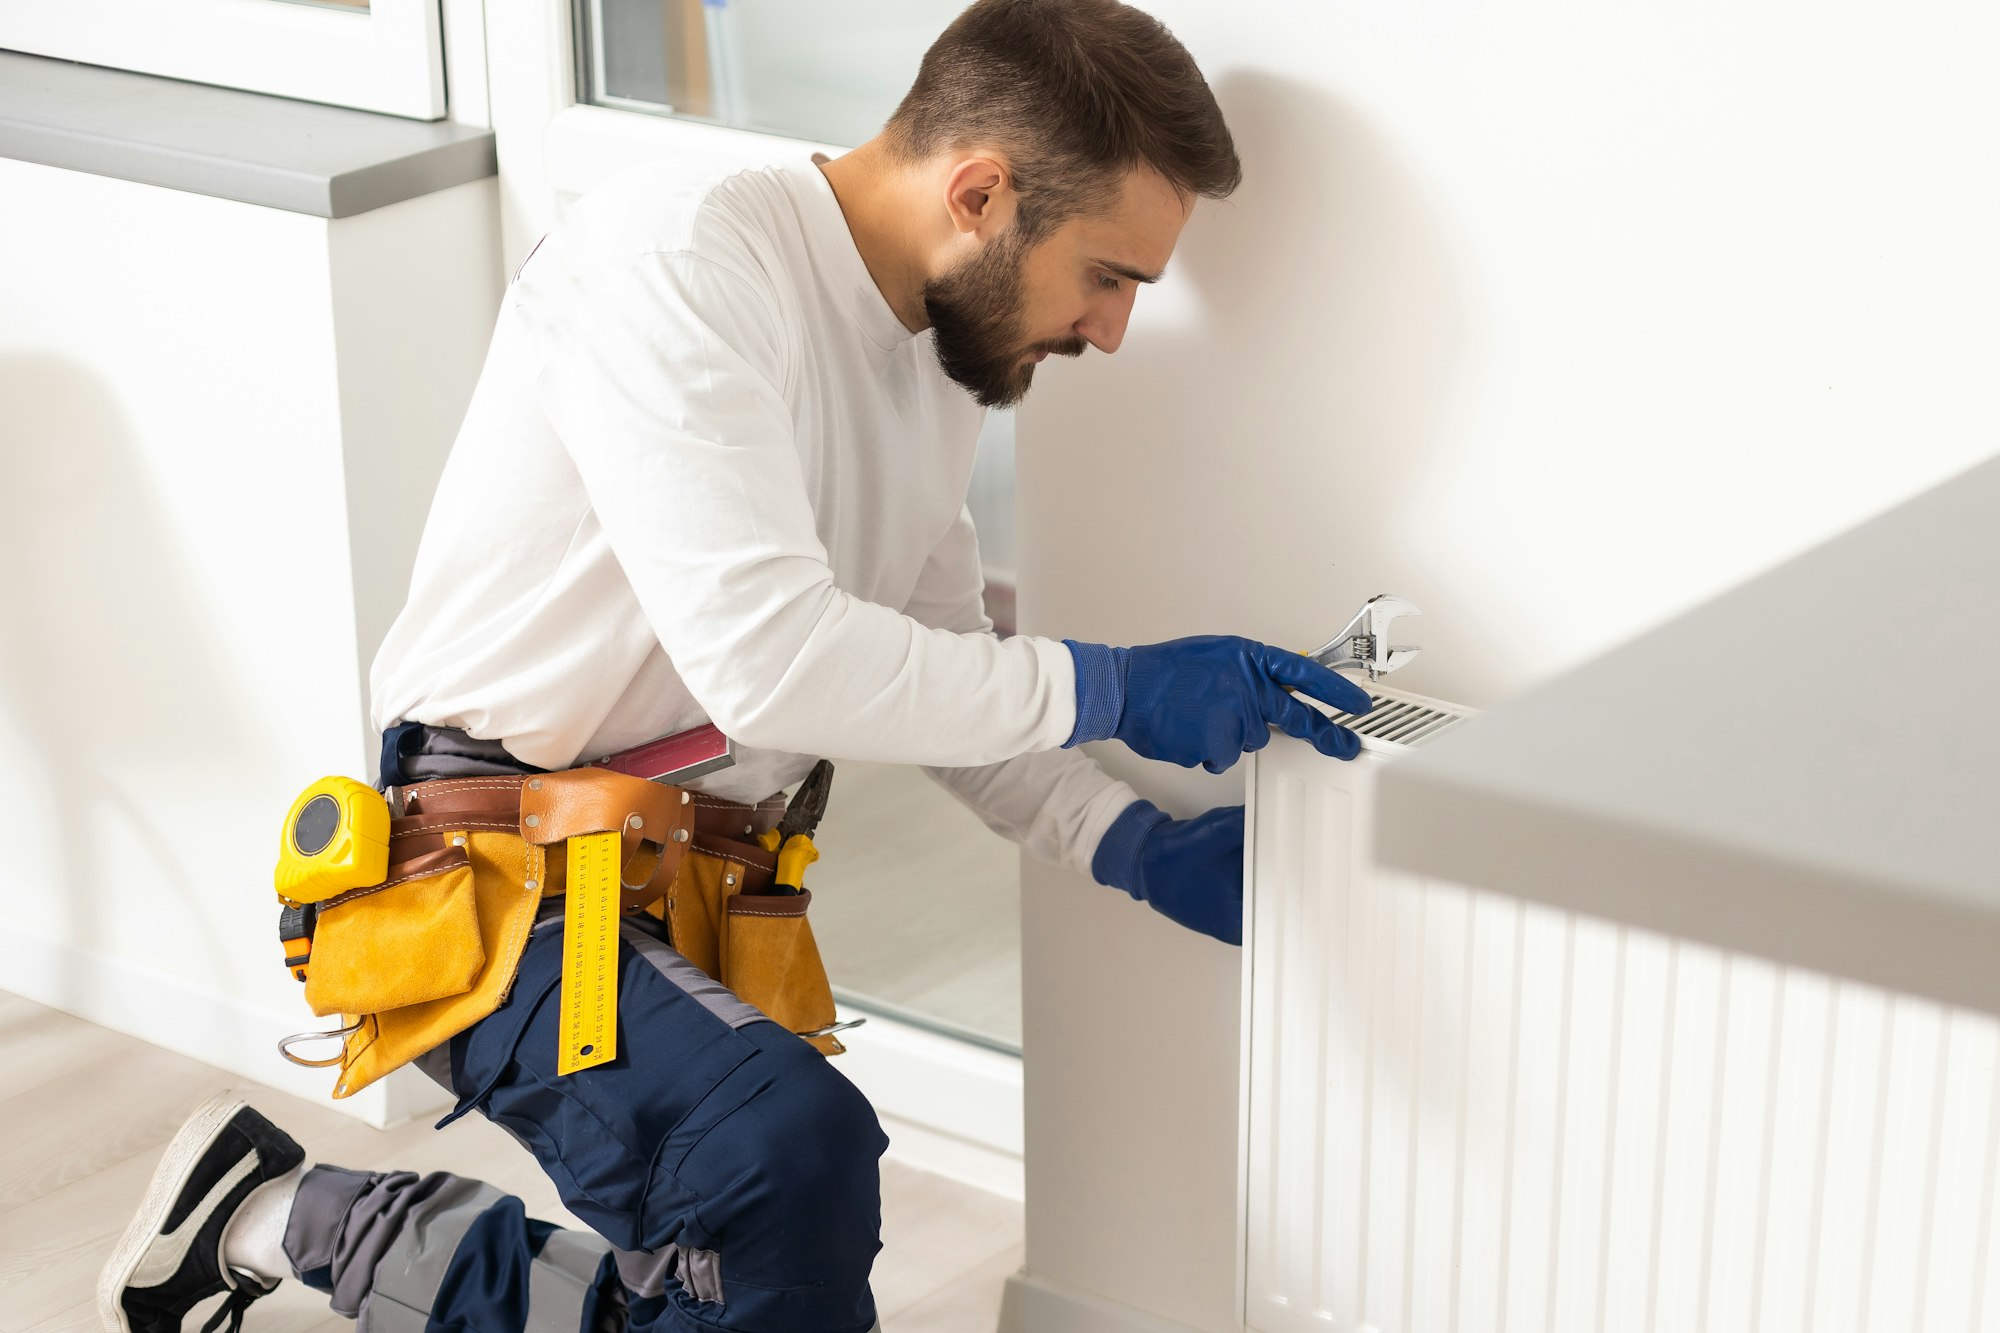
point(949, 1107)
point(211, 1028)
point(1030, 1304)
point(947, 1155)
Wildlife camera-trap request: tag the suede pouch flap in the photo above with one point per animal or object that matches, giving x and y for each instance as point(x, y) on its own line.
point(412, 938)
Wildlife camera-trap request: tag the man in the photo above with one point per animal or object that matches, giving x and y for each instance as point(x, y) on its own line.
point(715, 470)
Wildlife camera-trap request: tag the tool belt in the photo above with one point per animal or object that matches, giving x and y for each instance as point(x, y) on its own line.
point(432, 947)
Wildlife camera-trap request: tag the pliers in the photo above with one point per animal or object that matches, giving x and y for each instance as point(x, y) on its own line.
point(792, 839)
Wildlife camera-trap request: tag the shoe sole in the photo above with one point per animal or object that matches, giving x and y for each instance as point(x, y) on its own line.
point(183, 1151)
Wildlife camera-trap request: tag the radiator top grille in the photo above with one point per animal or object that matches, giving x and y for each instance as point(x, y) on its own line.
point(1402, 721)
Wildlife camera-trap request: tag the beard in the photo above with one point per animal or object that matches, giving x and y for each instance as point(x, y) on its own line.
point(976, 315)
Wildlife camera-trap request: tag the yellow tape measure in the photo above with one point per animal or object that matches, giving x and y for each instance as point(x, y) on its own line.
point(589, 1027)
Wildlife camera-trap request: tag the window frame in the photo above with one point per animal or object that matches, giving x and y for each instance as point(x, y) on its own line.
point(388, 58)
point(552, 147)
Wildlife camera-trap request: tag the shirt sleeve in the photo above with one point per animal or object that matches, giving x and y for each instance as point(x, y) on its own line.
point(661, 373)
point(1056, 804)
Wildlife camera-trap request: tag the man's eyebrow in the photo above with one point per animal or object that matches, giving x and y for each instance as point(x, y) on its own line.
point(1127, 271)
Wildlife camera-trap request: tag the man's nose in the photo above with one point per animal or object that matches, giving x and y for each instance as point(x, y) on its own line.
point(1103, 326)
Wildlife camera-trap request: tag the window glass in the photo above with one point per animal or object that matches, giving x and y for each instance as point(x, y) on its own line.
point(826, 70)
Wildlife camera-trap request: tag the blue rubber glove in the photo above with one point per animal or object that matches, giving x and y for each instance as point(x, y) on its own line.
point(1208, 699)
point(1190, 870)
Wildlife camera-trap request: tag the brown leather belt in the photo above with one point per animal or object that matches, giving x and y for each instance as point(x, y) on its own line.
point(430, 809)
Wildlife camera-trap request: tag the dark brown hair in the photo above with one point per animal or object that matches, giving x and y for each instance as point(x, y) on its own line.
point(1075, 93)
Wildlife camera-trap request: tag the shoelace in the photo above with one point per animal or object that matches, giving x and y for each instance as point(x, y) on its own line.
point(245, 1291)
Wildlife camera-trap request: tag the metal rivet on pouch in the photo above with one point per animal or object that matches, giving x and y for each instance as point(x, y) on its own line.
point(680, 835)
point(749, 828)
point(636, 822)
point(533, 884)
point(685, 798)
point(534, 784)
point(729, 879)
point(458, 842)
point(532, 820)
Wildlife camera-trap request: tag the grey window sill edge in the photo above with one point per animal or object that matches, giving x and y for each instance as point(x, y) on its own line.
point(253, 148)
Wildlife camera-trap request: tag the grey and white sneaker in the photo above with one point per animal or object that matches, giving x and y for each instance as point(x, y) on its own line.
point(170, 1258)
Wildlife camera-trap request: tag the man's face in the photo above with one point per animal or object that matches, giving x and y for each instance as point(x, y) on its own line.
point(1002, 310)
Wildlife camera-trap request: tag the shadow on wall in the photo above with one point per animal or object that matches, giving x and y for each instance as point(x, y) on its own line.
point(114, 684)
point(1274, 438)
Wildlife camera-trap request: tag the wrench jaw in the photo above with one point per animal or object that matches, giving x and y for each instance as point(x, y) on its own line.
point(1363, 643)
point(1396, 657)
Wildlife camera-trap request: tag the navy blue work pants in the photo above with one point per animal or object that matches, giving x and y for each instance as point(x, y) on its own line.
point(728, 1171)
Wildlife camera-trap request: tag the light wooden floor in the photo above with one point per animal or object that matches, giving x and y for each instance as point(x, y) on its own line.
point(85, 1113)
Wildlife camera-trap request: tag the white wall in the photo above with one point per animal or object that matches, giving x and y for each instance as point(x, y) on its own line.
point(1554, 319)
point(217, 420)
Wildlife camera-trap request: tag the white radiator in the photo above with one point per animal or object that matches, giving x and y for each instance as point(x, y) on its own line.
point(1462, 1112)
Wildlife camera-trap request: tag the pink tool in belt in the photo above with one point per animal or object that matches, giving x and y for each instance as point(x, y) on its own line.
point(677, 758)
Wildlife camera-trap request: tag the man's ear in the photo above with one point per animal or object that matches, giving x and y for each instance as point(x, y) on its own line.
point(979, 193)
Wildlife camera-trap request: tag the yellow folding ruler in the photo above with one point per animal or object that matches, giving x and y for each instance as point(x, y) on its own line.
point(589, 1026)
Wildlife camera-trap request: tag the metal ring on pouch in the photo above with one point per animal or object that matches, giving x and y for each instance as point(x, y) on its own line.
point(286, 1043)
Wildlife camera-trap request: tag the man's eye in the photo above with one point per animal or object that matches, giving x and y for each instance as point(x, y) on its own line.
point(1106, 281)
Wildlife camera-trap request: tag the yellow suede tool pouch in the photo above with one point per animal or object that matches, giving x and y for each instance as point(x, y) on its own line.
point(771, 960)
point(410, 963)
point(758, 945)
point(412, 938)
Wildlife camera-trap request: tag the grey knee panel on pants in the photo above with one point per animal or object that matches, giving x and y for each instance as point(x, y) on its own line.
point(407, 1277)
point(345, 1224)
point(387, 1239)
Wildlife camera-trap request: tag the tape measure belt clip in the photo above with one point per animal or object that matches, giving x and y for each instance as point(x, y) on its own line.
point(295, 932)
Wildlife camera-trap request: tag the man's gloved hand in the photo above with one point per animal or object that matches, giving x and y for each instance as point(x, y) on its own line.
point(1208, 699)
point(1190, 870)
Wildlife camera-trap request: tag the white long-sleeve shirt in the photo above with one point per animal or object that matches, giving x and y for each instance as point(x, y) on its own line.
point(707, 475)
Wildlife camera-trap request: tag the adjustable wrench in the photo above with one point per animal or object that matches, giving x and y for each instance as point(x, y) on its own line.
point(1363, 643)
